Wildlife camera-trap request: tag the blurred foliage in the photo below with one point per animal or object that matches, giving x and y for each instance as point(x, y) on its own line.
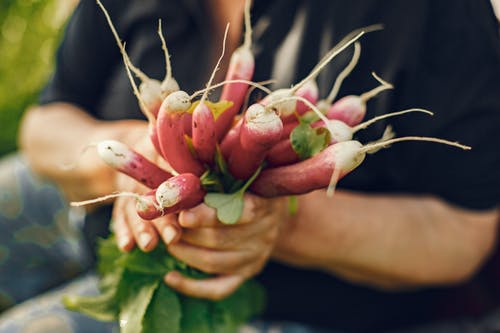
point(29, 34)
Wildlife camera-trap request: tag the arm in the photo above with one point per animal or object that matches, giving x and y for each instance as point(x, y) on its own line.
point(387, 241)
point(57, 133)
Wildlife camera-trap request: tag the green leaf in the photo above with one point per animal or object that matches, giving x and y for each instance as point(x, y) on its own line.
point(108, 254)
point(138, 291)
point(144, 263)
point(195, 316)
point(164, 312)
point(293, 205)
point(309, 117)
point(308, 141)
point(103, 307)
point(229, 206)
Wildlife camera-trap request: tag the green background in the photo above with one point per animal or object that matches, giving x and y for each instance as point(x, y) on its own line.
point(30, 31)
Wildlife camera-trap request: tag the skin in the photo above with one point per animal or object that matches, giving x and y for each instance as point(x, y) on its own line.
point(389, 242)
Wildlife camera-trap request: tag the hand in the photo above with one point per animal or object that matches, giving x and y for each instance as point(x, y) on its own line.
point(233, 253)
point(129, 228)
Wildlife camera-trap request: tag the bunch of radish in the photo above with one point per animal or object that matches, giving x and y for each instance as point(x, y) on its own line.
point(288, 143)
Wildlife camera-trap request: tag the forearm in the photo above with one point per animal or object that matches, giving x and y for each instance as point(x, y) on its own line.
point(387, 241)
point(56, 134)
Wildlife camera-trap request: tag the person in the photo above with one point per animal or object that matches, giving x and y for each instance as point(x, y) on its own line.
point(403, 231)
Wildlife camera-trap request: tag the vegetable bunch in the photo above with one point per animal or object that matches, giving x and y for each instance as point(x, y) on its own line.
point(288, 143)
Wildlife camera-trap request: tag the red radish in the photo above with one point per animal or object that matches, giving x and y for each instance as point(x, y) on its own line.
point(316, 172)
point(340, 131)
point(171, 135)
point(126, 160)
point(309, 91)
point(283, 152)
point(180, 192)
point(203, 129)
point(203, 122)
point(260, 130)
point(241, 67)
point(352, 109)
point(147, 207)
point(231, 139)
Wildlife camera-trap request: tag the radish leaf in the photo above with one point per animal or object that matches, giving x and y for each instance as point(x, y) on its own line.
point(308, 141)
point(164, 312)
point(229, 206)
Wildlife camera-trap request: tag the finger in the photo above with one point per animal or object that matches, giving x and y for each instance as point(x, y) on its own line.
point(144, 233)
point(124, 237)
point(212, 261)
point(168, 228)
point(198, 217)
point(227, 238)
point(214, 289)
point(205, 216)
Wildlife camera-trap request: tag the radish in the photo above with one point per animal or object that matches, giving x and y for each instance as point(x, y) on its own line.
point(203, 122)
point(126, 160)
point(171, 134)
point(241, 66)
point(323, 169)
point(180, 192)
point(340, 131)
point(260, 130)
point(352, 109)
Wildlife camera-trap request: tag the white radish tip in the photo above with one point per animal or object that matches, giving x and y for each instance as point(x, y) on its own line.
point(285, 107)
point(178, 101)
point(243, 61)
point(169, 86)
point(347, 155)
point(167, 194)
point(339, 131)
point(261, 119)
point(114, 153)
point(150, 91)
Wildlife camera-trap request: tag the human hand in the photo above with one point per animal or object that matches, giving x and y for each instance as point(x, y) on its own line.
point(129, 228)
point(233, 253)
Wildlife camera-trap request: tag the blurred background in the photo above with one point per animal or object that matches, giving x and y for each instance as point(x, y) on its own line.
point(30, 31)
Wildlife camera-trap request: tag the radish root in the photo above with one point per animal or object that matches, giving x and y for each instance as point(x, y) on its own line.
point(168, 66)
point(258, 85)
point(388, 115)
point(384, 85)
point(209, 83)
point(370, 148)
point(105, 198)
point(248, 26)
point(345, 72)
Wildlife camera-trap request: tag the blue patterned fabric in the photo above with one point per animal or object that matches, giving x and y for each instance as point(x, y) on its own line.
point(41, 243)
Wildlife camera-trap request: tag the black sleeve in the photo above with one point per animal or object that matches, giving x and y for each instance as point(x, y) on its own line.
point(86, 56)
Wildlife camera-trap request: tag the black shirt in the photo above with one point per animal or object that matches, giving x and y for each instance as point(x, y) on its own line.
point(440, 55)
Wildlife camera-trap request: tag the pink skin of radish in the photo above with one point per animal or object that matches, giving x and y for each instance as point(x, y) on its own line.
point(310, 92)
point(349, 109)
point(203, 129)
point(260, 130)
point(127, 161)
point(231, 139)
point(180, 192)
point(241, 66)
point(311, 174)
point(170, 129)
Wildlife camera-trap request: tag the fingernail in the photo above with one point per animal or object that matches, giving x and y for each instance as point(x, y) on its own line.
point(123, 242)
point(172, 278)
point(169, 234)
point(144, 239)
point(188, 219)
